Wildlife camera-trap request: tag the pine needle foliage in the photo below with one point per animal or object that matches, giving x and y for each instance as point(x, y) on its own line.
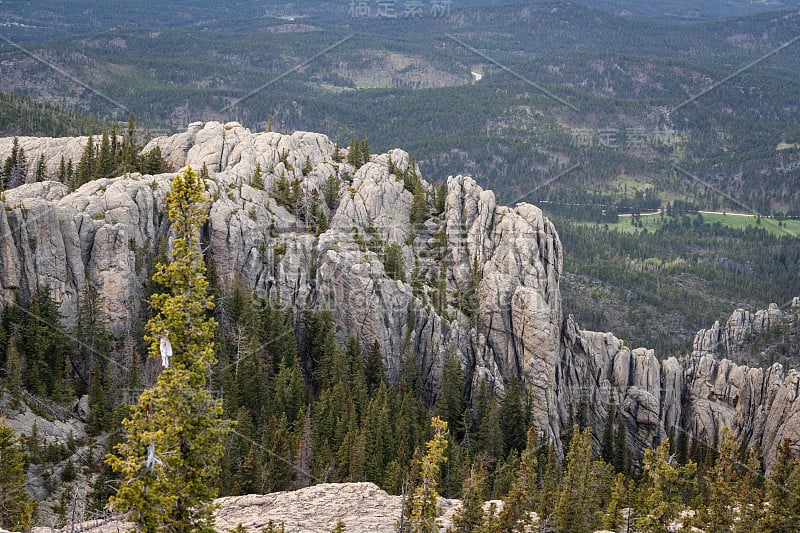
point(171, 455)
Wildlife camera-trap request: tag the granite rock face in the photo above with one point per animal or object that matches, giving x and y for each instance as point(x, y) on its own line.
point(363, 507)
point(692, 398)
point(478, 280)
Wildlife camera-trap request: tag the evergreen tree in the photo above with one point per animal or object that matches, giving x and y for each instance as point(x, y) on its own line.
point(354, 152)
point(86, 165)
point(513, 418)
point(716, 515)
point(152, 162)
point(441, 199)
point(521, 499)
point(337, 152)
point(70, 175)
point(424, 499)
point(373, 370)
point(14, 365)
point(490, 435)
point(621, 459)
point(419, 203)
point(550, 480)
point(62, 170)
point(304, 457)
point(41, 169)
point(130, 148)
point(393, 262)
point(470, 515)
point(618, 501)
point(15, 169)
point(278, 455)
point(16, 507)
point(607, 447)
point(9, 164)
point(451, 403)
point(19, 172)
point(257, 181)
point(582, 494)
point(782, 488)
point(364, 150)
point(307, 167)
point(44, 345)
point(170, 459)
point(666, 489)
point(104, 160)
point(330, 190)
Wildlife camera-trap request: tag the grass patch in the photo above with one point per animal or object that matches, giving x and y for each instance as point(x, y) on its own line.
point(652, 223)
point(777, 228)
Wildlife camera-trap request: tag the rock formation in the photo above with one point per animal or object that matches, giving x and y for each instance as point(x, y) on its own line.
point(363, 507)
point(108, 232)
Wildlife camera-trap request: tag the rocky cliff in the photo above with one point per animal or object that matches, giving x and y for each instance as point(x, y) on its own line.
point(107, 232)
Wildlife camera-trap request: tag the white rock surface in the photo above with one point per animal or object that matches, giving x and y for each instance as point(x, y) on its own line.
point(363, 508)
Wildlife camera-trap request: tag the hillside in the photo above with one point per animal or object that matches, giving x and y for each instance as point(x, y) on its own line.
point(351, 292)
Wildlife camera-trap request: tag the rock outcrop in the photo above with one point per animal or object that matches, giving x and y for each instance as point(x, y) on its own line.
point(478, 279)
point(692, 398)
point(363, 507)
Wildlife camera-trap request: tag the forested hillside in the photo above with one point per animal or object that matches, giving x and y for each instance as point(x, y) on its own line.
point(416, 296)
point(591, 111)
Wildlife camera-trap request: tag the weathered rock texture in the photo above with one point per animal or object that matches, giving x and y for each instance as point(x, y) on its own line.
point(363, 507)
point(108, 232)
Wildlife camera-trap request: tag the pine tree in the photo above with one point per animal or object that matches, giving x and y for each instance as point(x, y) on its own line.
point(365, 154)
point(750, 497)
point(783, 493)
point(256, 181)
point(44, 347)
point(513, 420)
point(104, 160)
point(16, 507)
point(621, 457)
point(70, 175)
point(451, 403)
point(373, 370)
point(441, 199)
point(41, 169)
point(170, 459)
point(393, 262)
point(580, 499)
point(607, 448)
point(19, 172)
point(521, 499)
point(619, 500)
point(10, 163)
point(86, 165)
point(666, 489)
point(14, 366)
point(330, 190)
point(419, 203)
point(62, 170)
point(550, 480)
point(717, 515)
point(470, 516)
point(304, 457)
point(307, 167)
point(130, 148)
point(337, 152)
point(424, 500)
point(354, 152)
